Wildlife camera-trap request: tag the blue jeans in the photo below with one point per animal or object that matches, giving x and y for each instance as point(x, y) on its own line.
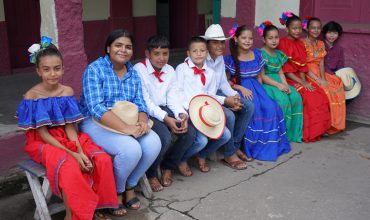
point(205, 147)
point(131, 157)
point(237, 123)
point(170, 155)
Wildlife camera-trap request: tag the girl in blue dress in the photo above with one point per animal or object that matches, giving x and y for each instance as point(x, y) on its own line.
point(265, 136)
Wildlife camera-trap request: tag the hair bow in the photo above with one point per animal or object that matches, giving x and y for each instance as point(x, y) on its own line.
point(34, 49)
point(285, 16)
point(262, 27)
point(233, 30)
point(305, 22)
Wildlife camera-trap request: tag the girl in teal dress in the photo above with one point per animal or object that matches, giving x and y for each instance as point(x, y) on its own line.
point(275, 84)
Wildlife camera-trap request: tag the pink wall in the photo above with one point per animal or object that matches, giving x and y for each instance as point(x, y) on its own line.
point(71, 41)
point(5, 68)
point(356, 51)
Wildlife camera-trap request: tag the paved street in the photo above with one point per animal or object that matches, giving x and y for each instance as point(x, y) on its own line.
point(324, 180)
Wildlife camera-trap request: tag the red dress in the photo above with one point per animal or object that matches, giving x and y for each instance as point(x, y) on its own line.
point(84, 192)
point(316, 113)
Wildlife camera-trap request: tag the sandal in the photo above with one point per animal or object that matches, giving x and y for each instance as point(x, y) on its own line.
point(166, 178)
point(237, 165)
point(100, 216)
point(131, 203)
point(243, 157)
point(202, 165)
point(155, 184)
point(185, 170)
point(120, 211)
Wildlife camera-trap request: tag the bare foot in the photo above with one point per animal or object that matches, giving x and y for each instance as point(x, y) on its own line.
point(155, 184)
point(166, 178)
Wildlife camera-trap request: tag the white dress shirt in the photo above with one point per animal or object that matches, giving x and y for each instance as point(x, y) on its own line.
point(222, 84)
point(157, 93)
point(191, 85)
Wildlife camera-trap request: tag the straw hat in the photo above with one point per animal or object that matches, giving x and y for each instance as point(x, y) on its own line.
point(207, 115)
point(127, 111)
point(214, 32)
point(352, 85)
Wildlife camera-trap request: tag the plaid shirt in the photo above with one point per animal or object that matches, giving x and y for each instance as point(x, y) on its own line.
point(101, 88)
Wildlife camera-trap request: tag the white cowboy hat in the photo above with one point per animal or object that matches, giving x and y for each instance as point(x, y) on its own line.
point(352, 85)
point(207, 115)
point(126, 111)
point(214, 32)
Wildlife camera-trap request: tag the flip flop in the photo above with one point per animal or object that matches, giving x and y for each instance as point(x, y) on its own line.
point(131, 202)
point(121, 207)
point(185, 171)
point(235, 164)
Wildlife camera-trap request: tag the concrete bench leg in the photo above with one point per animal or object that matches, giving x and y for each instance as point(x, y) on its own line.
point(145, 187)
point(41, 206)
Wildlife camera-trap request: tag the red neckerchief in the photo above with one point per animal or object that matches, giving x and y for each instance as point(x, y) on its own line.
point(198, 72)
point(155, 73)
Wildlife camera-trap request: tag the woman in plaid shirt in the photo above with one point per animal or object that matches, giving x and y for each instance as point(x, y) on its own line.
point(105, 81)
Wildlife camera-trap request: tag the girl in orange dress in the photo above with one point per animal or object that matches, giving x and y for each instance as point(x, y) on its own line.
point(331, 84)
point(316, 114)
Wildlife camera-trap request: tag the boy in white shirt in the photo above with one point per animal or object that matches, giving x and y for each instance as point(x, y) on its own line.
point(161, 96)
point(238, 110)
point(194, 77)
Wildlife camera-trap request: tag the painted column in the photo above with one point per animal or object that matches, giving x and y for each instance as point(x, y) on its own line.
point(70, 39)
point(145, 24)
point(5, 68)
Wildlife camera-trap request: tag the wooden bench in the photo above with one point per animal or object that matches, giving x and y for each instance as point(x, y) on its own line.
point(42, 192)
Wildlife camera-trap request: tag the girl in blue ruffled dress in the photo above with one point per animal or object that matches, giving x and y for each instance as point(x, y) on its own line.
point(79, 171)
point(265, 136)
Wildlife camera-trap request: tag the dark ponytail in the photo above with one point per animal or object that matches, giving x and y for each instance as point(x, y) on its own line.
point(235, 53)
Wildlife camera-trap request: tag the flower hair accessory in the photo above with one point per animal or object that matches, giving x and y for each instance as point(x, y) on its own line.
point(36, 48)
point(305, 22)
point(262, 27)
point(285, 16)
point(233, 30)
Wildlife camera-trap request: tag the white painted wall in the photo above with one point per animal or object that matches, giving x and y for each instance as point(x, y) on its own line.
point(48, 20)
point(228, 8)
point(272, 9)
point(95, 10)
point(2, 14)
point(143, 8)
point(204, 6)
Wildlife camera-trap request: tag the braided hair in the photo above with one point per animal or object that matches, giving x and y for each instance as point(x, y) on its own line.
point(235, 53)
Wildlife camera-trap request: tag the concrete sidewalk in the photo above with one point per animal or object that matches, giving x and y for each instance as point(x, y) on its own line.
point(328, 179)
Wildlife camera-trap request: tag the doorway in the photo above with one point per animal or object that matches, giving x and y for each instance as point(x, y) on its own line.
point(23, 26)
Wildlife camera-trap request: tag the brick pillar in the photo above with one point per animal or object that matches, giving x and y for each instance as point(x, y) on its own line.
point(68, 14)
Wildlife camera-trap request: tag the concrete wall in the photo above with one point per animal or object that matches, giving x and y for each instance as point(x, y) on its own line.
point(271, 10)
point(143, 8)
point(95, 10)
point(48, 20)
point(2, 14)
point(204, 6)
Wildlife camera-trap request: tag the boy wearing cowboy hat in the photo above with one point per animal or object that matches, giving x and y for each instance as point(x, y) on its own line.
point(238, 110)
point(196, 78)
point(161, 96)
